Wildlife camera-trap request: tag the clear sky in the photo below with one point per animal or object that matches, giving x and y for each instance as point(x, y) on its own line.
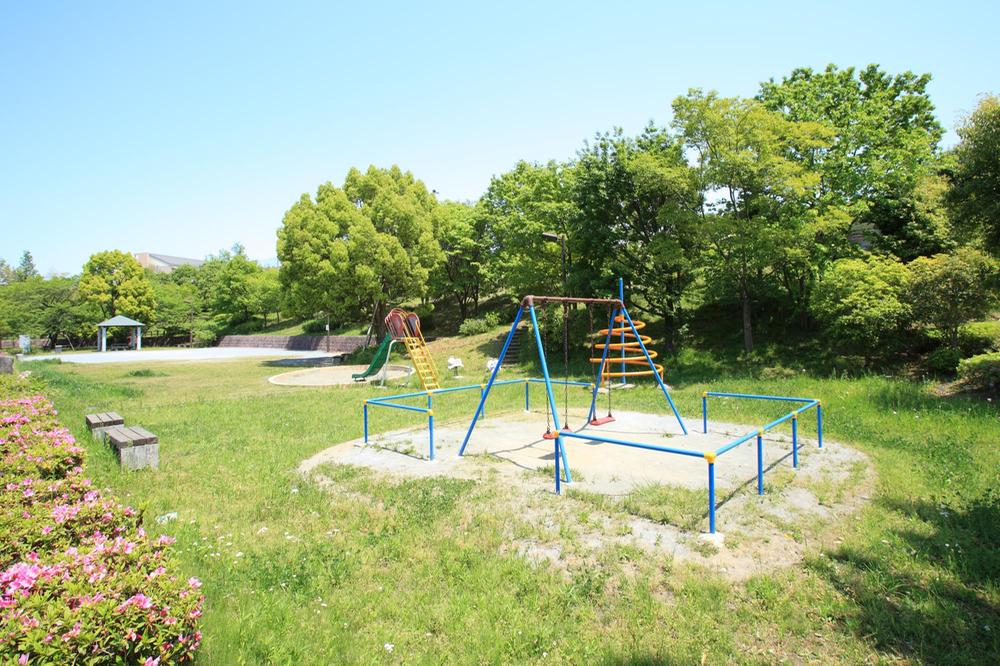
point(181, 128)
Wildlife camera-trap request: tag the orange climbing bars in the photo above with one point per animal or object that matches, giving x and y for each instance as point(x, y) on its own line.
point(631, 344)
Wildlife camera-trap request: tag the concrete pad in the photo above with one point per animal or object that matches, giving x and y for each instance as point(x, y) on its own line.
point(602, 467)
point(332, 376)
point(192, 354)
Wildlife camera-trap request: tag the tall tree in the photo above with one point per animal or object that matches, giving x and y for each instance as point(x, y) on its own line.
point(638, 202)
point(757, 189)
point(264, 294)
point(976, 181)
point(25, 268)
point(232, 275)
point(356, 248)
point(460, 233)
point(882, 151)
point(517, 208)
point(117, 284)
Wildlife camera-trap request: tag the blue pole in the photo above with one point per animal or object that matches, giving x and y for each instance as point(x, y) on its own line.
point(621, 297)
point(819, 423)
point(526, 385)
point(652, 366)
point(704, 412)
point(760, 464)
point(600, 372)
point(430, 423)
point(489, 384)
point(365, 413)
point(560, 451)
point(482, 397)
point(711, 495)
point(795, 441)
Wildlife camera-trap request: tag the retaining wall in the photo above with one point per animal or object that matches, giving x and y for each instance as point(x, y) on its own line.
point(337, 343)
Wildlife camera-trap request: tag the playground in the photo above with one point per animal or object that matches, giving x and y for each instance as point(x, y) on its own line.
point(612, 453)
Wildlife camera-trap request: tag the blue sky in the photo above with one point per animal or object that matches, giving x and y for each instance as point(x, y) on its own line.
point(182, 128)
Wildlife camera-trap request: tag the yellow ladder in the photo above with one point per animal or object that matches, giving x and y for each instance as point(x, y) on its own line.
point(422, 363)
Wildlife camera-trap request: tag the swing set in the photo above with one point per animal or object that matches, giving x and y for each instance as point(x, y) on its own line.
point(622, 334)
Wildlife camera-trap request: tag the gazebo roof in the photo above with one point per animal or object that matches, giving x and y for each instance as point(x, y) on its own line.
point(119, 320)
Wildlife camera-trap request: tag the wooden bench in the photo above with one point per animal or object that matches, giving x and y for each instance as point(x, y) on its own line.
point(135, 447)
point(97, 424)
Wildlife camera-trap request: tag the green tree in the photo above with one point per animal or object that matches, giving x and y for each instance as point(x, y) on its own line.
point(517, 208)
point(264, 294)
point(179, 307)
point(47, 308)
point(354, 249)
point(863, 303)
point(882, 152)
point(6, 273)
point(948, 290)
point(758, 190)
point(232, 273)
point(975, 194)
point(459, 276)
point(638, 202)
point(116, 283)
point(25, 268)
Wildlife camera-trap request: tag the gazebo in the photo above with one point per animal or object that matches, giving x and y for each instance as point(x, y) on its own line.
point(118, 320)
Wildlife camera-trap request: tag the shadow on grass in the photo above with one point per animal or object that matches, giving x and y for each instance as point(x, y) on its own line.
point(950, 614)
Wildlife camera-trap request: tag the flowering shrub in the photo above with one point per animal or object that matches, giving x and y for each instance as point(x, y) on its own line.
point(80, 581)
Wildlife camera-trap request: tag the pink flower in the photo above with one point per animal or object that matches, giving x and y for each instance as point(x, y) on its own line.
point(46, 529)
point(23, 659)
point(194, 583)
point(151, 662)
point(165, 540)
point(130, 635)
point(72, 633)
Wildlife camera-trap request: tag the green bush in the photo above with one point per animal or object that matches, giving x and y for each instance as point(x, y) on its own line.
point(943, 361)
point(316, 327)
point(477, 326)
point(981, 371)
point(364, 355)
point(979, 337)
point(80, 581)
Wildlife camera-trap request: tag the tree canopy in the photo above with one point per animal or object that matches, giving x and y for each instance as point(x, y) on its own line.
point(115, 282)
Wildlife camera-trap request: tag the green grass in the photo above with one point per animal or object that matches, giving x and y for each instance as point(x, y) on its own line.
point(296, 573)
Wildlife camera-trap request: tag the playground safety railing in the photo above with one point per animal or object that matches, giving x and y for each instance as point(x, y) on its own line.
point(429, 409)
point(757, 433)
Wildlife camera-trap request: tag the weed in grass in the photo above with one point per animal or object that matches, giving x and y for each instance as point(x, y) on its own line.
point(145, 372)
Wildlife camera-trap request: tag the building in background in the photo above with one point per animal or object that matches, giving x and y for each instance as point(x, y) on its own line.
point(164, 263)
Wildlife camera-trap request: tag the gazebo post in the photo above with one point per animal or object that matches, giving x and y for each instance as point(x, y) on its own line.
point(138, 338)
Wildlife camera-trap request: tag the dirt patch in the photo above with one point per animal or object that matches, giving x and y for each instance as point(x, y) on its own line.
point(335, 375)
point(634, 498)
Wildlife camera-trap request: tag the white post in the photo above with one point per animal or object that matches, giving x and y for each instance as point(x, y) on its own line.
point(101, 334)
point(138, 338)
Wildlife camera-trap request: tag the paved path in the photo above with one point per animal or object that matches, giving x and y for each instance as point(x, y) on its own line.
point(193, 354)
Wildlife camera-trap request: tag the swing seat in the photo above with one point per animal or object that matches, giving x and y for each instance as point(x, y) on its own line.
point(549, 435)
point(602, 420)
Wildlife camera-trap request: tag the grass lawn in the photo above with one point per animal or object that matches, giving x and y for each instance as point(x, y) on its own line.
point(379, 570)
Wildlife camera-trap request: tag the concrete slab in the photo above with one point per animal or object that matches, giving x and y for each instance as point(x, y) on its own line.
point(516, 439)
point(193, 354)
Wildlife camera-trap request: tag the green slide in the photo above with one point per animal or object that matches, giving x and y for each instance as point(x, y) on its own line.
point(381, 356)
